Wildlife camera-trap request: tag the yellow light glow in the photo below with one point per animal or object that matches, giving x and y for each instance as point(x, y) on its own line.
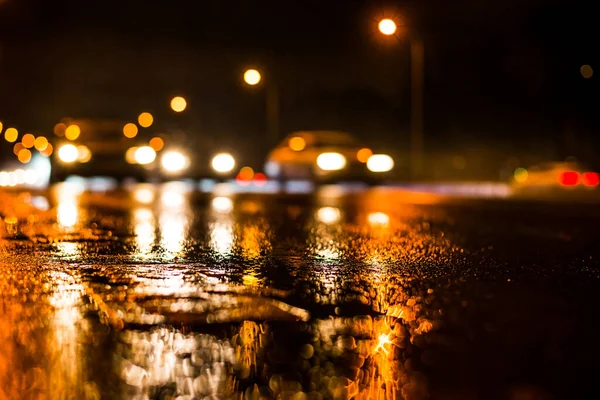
point(222, 204)
point(40, 143)
point(67, 214)
point(380, 163)
point(174, 161)
point(172, 199)
point(144, 195)
point(59, 129)
point(246, 173)
point(178, 104)
point(72, 132)
point(328, 215)
point(156, 143)
point(252, 77)
point(1, 127)
point(387, 27)
point(145, 119)
point(24, 156)
point(297, 143)
point(28, 140)
point(331, 161)
point(521, 175)
point(145, 155)
point(587, 71)
point(130, 155)
point(11, 135)
point(378, 219)
point(68, 153)
point(83, 154)
point(47, 152)
point(363, 155)
point(130, 130)
point(223, 162)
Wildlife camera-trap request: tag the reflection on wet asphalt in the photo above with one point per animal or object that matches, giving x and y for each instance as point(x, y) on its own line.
point(163, 293)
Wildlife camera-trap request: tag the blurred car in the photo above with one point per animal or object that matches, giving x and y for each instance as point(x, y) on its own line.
point(555, 177)
point(326, 156)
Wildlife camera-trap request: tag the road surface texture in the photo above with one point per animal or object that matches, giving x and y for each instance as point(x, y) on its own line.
point(382, 294)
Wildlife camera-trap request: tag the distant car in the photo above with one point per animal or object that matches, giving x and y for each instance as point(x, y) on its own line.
point(325, 156)
point(555, 177)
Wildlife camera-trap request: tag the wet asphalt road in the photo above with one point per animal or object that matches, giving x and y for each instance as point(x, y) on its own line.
point(160, 294)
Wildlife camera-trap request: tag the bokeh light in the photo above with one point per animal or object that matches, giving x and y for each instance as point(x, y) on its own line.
point(28, 140)
point(68, 153)
point(387, 26)
point(156, 143)
point(145, 155)
point(328, 215)
point(130, 130)
point(17, 148)
point(174, 161)
point(83, 154)
point(24, 156)
point(1, 126)
point(47, 152)
point(252, 77)
point(222, 204)
point(380, 163)
point(363, 155)
point(521, 175)
point(223, 162)
point(297, 143)
point(130, 155)
point(40, 143)
point(11, 135)
point(331, 161)
point(246, 173)
point(587, 71)
point(72, 132)
point(178, 104)
point(379, 219)
point(59, 129)
point(145, 119)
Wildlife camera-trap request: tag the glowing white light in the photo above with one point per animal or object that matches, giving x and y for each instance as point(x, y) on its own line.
point(68, 153)
point(387, 27)
point(144, 195)
point(331, 161)
point(31, 176)
point(223, 162)
point(379, 219)
point(380, 163)
point(222, 204)
point(174, 161)
point(172, 199)
point(328, 215)
point(67, 214)
point(145, 155)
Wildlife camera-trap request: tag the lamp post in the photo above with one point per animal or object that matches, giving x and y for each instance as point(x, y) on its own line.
point(388, 27)
point(253, 77)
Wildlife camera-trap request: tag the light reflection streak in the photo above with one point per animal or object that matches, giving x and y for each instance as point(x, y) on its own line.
point(222, 237)
point(145, 231)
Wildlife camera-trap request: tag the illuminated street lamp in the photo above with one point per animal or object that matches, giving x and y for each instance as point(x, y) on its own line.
point(178, 104)
point(388, 27)
point(252, 77)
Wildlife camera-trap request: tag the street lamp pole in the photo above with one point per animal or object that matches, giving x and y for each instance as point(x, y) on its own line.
point(417, 76)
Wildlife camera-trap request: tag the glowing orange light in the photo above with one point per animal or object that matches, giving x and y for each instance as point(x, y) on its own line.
point(569, 178)
point(382, 340)
point(241, 181)
point(28, 140)
point(363, 155)
point(17, 148)
point(47, 152)
point(591, 179)
point(246, 174)
point(130, 130)
point(1, 126)
point(11, 135)
point(24, 156)
point(297, 143)
point(72, 132)
point(145, 119)
point(40, 143)
point(83, 154)
point(587, 71)
point(387, 27)
point(252, 77)
point(59, 129)
point(178, 104)
point(130, 155)
point(156, 143)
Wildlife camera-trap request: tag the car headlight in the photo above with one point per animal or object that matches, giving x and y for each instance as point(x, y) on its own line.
point(380, 163)
point(174, 161)
point(223, 163)
point(145, 155)
point(68, 153)
point(331, 161)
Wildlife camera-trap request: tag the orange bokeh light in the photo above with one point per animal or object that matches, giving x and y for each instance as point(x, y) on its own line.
point(157, 143)
point(40, 143)
point(47, 152)
point(297, 143)
point(72, 132)
point(24, 156)
point(130, 130)
point(363, 155)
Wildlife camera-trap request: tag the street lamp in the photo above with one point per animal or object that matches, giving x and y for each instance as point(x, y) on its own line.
point(388, 27)
point(252, 77)
point(178, 104)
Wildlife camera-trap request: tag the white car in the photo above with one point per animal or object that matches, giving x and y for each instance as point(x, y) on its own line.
point(326, 156)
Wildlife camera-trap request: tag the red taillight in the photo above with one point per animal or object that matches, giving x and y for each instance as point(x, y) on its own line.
point(260, 179)
point(590, 179)
point(569, 178)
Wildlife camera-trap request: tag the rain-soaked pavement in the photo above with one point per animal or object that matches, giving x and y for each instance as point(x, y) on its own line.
point(165, 294)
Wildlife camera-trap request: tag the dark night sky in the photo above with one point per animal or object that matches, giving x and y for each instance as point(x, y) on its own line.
point(495, 70)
